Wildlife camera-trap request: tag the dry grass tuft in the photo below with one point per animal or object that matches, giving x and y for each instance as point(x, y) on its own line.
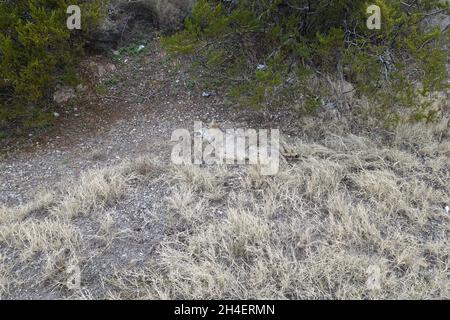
point(94, 191)
point(41, 240)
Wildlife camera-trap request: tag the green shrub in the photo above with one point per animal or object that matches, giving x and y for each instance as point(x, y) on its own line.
point(37, 52)
point(267, 50)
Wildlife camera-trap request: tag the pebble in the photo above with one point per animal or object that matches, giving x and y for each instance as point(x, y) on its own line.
point(207, 94)
point(262, 67)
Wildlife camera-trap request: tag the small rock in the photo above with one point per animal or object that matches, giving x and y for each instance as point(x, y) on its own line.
point(447, 209)
point(97, 69)
point(261, 67)
point(63, 95)
point(140, 48)
point(207, 94)
point(56, 114)
point(133, 262)
point(111, 67)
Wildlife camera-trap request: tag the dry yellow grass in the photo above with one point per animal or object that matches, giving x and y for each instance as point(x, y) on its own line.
point(350, 220)
point(353, 218)
point(41, 239)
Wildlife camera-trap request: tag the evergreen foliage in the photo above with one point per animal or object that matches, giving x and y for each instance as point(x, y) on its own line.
point(268, 50)
point(37, 52)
